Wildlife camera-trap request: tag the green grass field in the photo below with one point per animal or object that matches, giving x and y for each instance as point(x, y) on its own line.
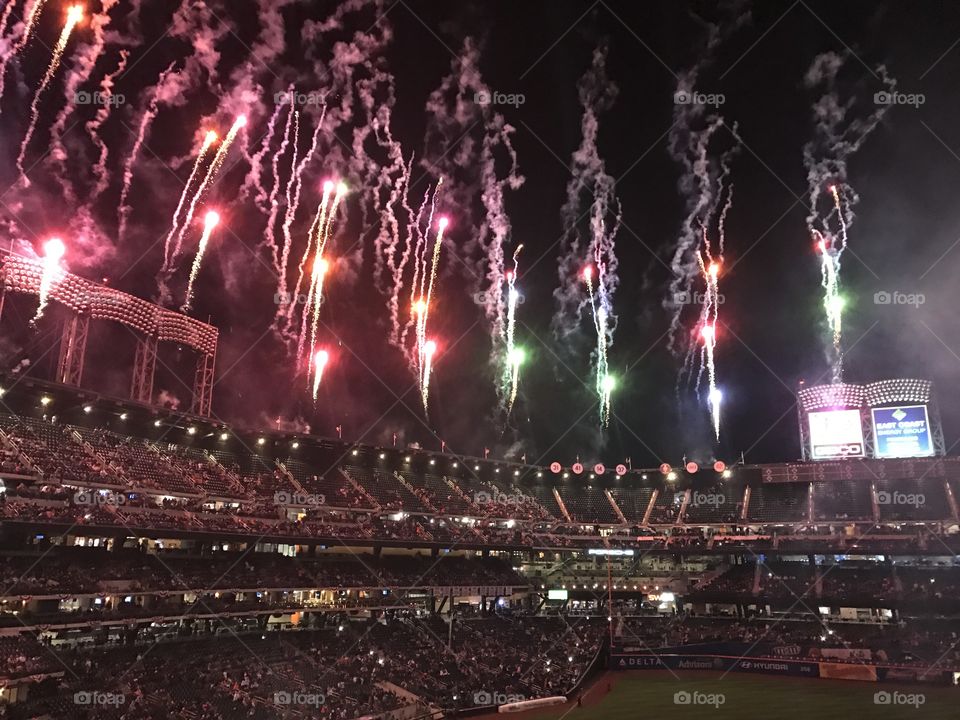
point(753, 697)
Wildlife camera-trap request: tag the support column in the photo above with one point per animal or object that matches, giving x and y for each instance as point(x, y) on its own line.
point(203, 385)
point(144, 364)
point(73, 347)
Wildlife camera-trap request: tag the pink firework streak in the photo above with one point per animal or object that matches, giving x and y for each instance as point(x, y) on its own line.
point(74, 16)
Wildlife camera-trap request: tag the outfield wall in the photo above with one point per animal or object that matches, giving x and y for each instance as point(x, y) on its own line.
point(867, 672)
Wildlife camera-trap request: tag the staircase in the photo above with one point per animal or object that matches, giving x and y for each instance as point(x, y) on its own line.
point(616, 508)
point(360, 489)
point(421, 496)
point(683, 507)
point(290, 478)
point(649, 510)
point(562, 505)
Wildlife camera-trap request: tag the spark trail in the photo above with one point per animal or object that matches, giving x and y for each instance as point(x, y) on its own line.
point(212, 169)
point(320, 231)
point(74, 16)
point(208, 140)
point(514, 356)
point(53, 252)
point(839, 132)
point(410, 262)
point(597, 243)
point(210, 222)
point(603, 382)
point(831, 248)
point(708, 333)
point(29, 23)
point(426, 349)
point(320, 361)
point(710, 263)
point(319, 221)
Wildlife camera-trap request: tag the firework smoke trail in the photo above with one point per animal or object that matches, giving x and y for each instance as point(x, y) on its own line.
point(211, 221)
point(589, 174)
point(514, 356)
point(493, 235)
point(148, 115)
point(293, 204)
point(253, 179)
point(293, 118)
point(5, 17)
point(84, 62)
point(208, 140)
point(7, 53)
point(320, 361)
point(838, 134)
point(74, 16)
point(93, 126)
point(212, 169)
point(705, 185)
point(53, 252)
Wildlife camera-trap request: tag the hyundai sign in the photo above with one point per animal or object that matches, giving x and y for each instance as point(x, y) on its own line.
point(835, 434)
point(902, 432)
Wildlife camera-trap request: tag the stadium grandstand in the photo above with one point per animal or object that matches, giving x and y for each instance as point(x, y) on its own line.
point(282, 575)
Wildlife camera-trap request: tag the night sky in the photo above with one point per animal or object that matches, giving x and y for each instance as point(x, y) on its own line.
point(771, 332)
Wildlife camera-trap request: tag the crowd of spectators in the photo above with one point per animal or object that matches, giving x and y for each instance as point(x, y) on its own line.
point(67, 571)
point(344, 670)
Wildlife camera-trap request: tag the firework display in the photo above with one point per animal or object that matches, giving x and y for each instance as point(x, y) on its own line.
point(838, 135)
point(349, 227)
point(597, 246)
